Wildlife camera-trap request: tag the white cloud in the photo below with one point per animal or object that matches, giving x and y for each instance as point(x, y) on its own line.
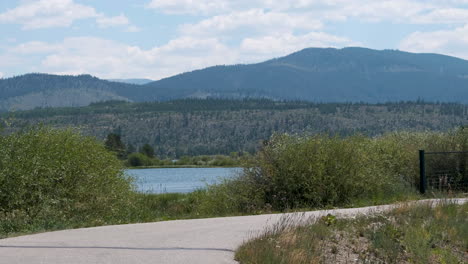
point(443, 16)
point(47, 13)
point(278, 27)
point(8, 60)
point(188, 6)
point(254, 19)
point(451, 42)
point(111, 59)
point(287, 43)
point(35, 47)
point(105, 22)
point(226, 32)
point(399, 11)
point(1, 75)
point(59, 13)
point(207, 7)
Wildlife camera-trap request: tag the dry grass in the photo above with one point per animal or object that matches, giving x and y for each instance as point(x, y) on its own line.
point(407, 234)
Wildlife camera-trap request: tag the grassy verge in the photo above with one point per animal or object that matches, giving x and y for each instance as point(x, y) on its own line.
point(147, 207)
point(53, 179)
point(410, 234)
point(178, 167)
point(139, 160)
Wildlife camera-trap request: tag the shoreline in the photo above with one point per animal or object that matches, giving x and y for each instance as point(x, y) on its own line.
point(179, 167)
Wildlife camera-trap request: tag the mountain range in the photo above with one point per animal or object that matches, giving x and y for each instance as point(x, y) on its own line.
point(313, 74)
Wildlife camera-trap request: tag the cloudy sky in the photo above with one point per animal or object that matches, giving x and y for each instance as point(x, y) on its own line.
point(159, 38)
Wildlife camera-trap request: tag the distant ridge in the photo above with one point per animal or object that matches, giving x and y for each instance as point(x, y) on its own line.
point(45, 90)
point(329, 75)
point(313, 74)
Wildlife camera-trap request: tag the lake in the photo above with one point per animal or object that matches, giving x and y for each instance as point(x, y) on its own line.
point(179, 180)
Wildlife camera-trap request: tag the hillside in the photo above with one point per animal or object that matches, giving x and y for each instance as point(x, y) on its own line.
point(215, 126)
point(45, 90)
point(314, 74)
point(329, 75)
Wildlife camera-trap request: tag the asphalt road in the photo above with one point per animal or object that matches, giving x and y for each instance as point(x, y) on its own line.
point(212, 240)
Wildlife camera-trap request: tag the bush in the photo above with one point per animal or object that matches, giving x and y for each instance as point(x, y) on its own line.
point(320, 171)
point(139, 159)
point(48, 177)
point(147, 150)
point(233, 196)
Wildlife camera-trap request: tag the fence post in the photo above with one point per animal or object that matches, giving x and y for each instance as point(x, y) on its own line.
point(422, 172)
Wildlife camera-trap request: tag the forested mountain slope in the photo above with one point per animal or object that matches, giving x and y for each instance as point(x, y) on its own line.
point(314, 74)
point(329, 75)
point(215, 126)
point(46, 90)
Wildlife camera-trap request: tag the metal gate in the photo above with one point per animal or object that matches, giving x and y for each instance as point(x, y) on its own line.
point(443, 171)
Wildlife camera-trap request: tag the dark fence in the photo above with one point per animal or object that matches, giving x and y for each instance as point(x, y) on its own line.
point(443, 171)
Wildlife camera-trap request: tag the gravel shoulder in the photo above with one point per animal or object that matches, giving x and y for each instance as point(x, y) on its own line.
point(211, 240)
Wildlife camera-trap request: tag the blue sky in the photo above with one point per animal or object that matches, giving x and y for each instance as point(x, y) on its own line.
point(159, 38)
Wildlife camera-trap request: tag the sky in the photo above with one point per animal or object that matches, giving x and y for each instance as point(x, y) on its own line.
point(155, 39)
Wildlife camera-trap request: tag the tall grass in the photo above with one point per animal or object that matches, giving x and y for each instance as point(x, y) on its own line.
point(409, 234)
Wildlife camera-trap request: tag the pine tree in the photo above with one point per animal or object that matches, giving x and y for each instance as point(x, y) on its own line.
point(114, 143)
point(147, 150)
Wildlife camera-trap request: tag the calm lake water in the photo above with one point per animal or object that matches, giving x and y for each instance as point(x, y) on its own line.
point(179, 180)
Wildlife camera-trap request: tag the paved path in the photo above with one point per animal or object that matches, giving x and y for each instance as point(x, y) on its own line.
point(210, 240)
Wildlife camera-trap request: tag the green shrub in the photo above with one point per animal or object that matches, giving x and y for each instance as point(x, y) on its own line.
point(49, 177)
point(319, 171)
point(139, 159)
point(147, 150)
point(223, 161)
point(233, 196)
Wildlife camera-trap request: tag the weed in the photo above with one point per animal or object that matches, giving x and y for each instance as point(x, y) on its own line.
point(409, 234)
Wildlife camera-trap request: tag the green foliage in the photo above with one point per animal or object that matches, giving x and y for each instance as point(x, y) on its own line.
point(211, 161)
point(51, 177)
point(425, 234)
point(195, 127)
point(292, 172)
point(147, 150)
point(155, 207)
point(139, 159)
point(114, 143)
point(329, 219)
point(409, 234)
point(322, 171)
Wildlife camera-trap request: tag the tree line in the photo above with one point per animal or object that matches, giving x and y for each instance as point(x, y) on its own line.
point(195, 127)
